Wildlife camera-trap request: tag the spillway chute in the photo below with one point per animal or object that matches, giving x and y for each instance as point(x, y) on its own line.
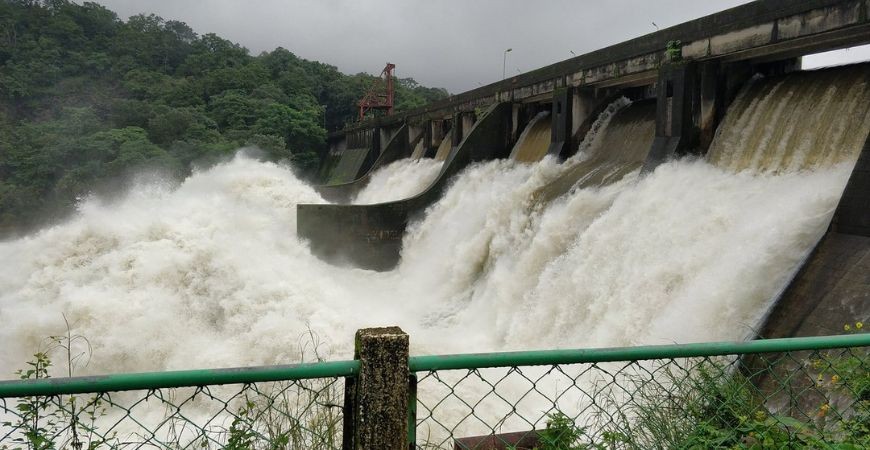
point(534, 141)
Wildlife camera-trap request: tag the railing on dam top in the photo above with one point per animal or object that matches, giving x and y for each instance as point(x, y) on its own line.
point(779, 393)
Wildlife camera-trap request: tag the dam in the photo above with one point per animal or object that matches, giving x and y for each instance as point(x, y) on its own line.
point(727, 89)
point(554, 243)
point(590, 203)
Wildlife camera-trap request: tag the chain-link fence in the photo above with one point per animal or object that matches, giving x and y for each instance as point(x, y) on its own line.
point(229, 408)
point(783, 393)
point(706, 397)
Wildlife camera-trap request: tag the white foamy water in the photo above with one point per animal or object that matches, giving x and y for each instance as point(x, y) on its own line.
point(401, 179)
point(211, 274)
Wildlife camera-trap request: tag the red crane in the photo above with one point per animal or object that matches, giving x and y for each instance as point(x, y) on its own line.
point(377, 97)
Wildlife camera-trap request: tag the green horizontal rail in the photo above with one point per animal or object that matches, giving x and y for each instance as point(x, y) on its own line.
point(206, 377)
point(175, 379)
point(579, 356)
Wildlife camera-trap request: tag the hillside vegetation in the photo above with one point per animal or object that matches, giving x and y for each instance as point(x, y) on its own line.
point(86, 99)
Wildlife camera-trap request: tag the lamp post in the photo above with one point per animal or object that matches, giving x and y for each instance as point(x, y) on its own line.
point(504, 63)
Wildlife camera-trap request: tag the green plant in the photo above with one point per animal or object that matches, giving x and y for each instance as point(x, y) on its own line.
point(674, 51)
point(716, 405)
point(241, 436)
point(560, 434)
point(38, 420)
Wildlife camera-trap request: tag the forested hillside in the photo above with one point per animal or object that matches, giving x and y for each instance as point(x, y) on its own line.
point(87, 99)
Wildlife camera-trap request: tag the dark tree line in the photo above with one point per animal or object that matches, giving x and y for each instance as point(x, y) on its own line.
point(86, 98)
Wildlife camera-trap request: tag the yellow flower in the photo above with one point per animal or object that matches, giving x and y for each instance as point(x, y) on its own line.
point(859, 325)
point(760, 415)
point(823, 410)
point(835, 379)
point(847, 327)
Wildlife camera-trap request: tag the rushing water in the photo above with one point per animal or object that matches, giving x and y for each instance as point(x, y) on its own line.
point(210, 273)
point(401, 179)
point(534, 141)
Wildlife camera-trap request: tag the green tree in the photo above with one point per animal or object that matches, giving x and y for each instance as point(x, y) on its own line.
point(86, 97)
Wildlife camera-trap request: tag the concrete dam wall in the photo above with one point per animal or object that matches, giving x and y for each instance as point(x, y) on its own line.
point(752, 111)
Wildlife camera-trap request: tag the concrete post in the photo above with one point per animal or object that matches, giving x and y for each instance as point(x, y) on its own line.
point(467, 123)
point(457, 132)
point(561, 122)
point(373, 153)
point(376, 401)
point(427, 139)
point(710, 106)
point(677, 105)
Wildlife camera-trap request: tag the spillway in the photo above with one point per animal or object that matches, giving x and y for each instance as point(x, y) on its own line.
point(444, 147)
point(617, 149)
point(803, 121)
point(401, 179)
point(534, 141)
point(621, 261)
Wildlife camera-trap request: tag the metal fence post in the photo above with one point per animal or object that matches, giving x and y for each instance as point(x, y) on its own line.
point(376, 402)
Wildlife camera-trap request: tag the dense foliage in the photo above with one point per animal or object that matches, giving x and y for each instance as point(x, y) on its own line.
point(86, 99)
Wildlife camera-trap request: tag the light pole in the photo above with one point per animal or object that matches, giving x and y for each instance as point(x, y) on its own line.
point(504, 62)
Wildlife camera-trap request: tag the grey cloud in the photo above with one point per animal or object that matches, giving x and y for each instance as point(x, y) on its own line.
point(454, 44)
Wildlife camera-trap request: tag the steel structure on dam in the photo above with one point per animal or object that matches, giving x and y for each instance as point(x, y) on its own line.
point(691, 72)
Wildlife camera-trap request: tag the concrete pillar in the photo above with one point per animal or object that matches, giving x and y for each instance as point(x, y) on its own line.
point(677, 105)
point(561, 122)
point(516, 112)
point(376, 401)
point(384, 136)
point(374, 151)
point(583, 104)
point(436, 133)
point(457, 132)
point(710, 104)
point(467, 123)
point(414, 132)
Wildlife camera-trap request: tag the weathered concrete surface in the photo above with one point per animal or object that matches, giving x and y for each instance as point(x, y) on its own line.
point(562, 122)
point(765, 30)
point(622, 148)
point(349, 166)
point(354, 156)
point(675, 128)
point(832, 289)
point(833, 286)
point(398, 147)
point(370, 236)
point(378, 419)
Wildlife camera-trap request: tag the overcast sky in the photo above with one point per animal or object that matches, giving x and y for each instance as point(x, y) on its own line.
point(456, 44)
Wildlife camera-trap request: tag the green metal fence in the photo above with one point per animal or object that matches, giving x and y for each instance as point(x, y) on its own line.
point(293, 406)
point(781, 393)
